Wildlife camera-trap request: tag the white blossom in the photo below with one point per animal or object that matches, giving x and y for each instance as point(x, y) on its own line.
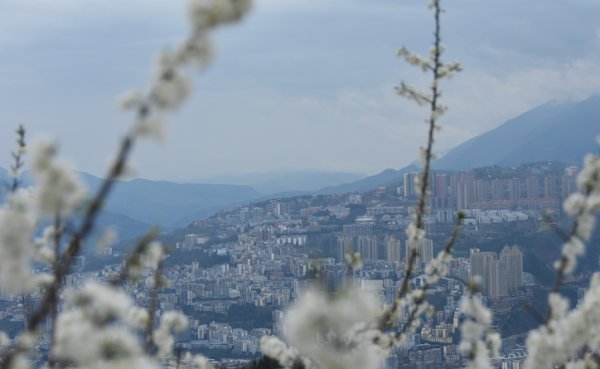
point(583, 206)
point(331, 332)
point(574, 203)
point(194, 362)
point(197, 51)
point(153, 255)
point(4, 339)
point(415, 236)
point(476, 338)
point(170, 86)
point(137, 317)
point(438, 267)
point(132, 99)
point(101, 303)
point(151, 128)
point(44, 246)
point(97, 330)
point(566, 334)
point(17, 225)
point(275, 348)
point(558, 305)
point(170, 322)
point(59, 190)
point(206, 14)
point(20, 361)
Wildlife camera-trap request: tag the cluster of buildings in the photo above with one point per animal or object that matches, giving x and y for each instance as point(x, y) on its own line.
point(500, 275)
point(259, 257)
point(462, 190)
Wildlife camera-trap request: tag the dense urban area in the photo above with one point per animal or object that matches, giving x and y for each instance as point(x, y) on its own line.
point(235, 272)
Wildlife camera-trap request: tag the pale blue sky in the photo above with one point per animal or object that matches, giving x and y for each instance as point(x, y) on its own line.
point(301, 84)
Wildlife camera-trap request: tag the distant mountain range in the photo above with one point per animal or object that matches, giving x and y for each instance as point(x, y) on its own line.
point(170, 204)
point(141, 203)
point(555, 131)
point(281, 182)
point(388, 177)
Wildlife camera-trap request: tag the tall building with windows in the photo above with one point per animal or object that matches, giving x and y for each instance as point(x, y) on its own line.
point(367, 248)
point(481, 263)
point(345, 244)
point(513, 257)
point(533, 187)
point(464, 195)
point(500, 276)
point(409, 184)
point(393, 249)
point(497, 279)
point(514, 190)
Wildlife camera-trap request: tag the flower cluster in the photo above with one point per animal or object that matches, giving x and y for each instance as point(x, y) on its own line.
point(567, 334)
point(583, 206)
point(105, 319)
point(17, 224)
point(170, 322)
point(59, 189)
point(478, 341)
point(330, 332)
point(170, 85)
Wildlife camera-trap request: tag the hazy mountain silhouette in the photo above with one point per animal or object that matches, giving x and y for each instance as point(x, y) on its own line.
point(554, 131)
point(139, 203)
point(557, 131)
point(388, 177)
point(168, 203)
point(280, 182)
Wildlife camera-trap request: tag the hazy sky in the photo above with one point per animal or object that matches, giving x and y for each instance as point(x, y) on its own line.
point(301, 84)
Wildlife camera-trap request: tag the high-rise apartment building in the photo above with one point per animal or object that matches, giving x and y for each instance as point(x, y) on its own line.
point(480, 267)
point(367, 248)
point(409, 184)
point(514, 189)
point(513, 257)
point(464, 195)
point(393, 249)
point(533, 187)
point(497, 279)
point(345, 244)
point(499, 276)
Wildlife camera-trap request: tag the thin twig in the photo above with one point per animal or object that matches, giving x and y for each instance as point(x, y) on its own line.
point(563, 261)
point(424, 183)
point(17, 156)
point(149, 345)
point(134, 256)
point(448, 249)
point(54, 308)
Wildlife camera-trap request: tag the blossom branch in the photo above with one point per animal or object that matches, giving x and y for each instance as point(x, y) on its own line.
point(583, 207)
point(134, 260)
point(149, 331)
point(57, 235)
point(439, 70)
point(17, 155)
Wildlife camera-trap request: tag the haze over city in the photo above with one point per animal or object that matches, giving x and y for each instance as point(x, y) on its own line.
point(300, 85)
